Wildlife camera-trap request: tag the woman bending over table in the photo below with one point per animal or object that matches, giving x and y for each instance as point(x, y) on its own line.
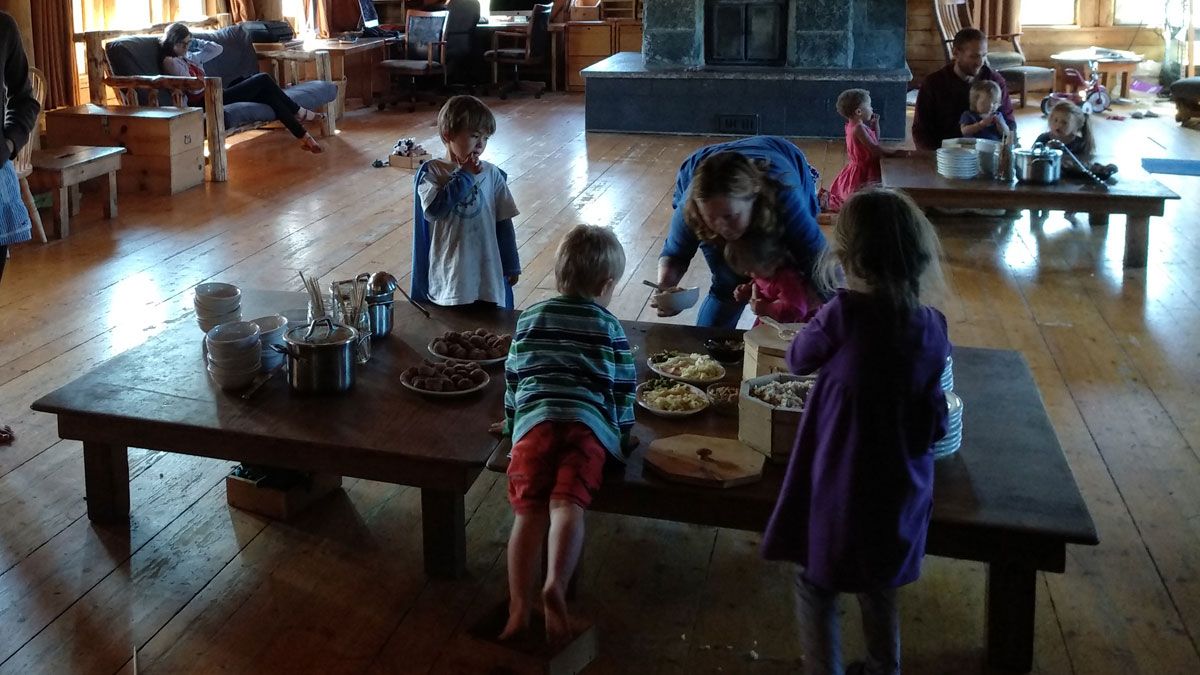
point(754, 187)
point(181, 54)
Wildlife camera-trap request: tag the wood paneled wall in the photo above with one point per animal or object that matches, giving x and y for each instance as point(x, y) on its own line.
point(925, 54)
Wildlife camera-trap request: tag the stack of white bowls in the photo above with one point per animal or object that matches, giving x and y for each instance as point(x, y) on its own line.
point(234, 354)
point(958, 162)
point(953, 438)
point(217, 303)
point(271, 329)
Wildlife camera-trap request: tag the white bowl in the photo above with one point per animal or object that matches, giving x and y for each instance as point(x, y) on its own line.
point(231, 339)
point(271, 329)
point(231, 379)
point(214, 319)
point(217, 298)
point(239, 362)
point(678, 301)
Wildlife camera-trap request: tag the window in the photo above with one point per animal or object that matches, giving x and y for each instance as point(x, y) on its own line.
point(1048, 13)
point(1150, 13)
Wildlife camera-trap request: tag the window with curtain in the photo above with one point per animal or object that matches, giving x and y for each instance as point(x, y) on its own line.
point(1048, 13)
point(120, 14)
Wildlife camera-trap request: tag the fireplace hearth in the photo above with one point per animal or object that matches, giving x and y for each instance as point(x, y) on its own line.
point(783, 61)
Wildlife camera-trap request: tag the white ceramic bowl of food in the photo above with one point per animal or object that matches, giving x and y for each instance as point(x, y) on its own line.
point(677, 300)
point(231, 339)
point(217, 298)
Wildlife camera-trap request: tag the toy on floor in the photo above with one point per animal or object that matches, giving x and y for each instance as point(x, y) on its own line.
point(1088, 94)
point(407, 147)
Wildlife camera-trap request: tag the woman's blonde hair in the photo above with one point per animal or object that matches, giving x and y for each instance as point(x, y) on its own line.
point(465, 113)
point(1080, 118)
point(757, 256)
point(588, 256)
point(883, 238)
point(732, 174)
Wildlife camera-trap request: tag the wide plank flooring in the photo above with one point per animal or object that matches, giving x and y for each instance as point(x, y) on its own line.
point(196, 586)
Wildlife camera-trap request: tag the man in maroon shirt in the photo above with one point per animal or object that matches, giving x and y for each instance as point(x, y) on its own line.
point(946, 93)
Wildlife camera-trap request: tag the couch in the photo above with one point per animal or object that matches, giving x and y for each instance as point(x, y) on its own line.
point(1186, 94)
point(133, 71)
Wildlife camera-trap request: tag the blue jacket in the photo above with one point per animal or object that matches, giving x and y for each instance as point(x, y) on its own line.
point(449, 196)
point(798, 209)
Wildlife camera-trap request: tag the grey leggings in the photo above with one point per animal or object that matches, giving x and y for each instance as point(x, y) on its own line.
point(817, 610)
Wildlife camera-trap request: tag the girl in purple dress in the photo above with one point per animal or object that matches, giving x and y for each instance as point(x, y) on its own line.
point(855, 504)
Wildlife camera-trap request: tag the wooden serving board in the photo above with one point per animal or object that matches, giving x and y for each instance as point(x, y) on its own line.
point(727, 463)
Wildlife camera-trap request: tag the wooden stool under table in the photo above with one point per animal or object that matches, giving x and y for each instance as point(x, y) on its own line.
point(65, 169)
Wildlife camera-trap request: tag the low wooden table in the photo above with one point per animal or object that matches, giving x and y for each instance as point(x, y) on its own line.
point(1135, 194)
point(1007, 498)
point(1085, 60)
point(352, 65)
point(159, 396)
point(64, 169)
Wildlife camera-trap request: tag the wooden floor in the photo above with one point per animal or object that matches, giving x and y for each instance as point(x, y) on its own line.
point(198, 587)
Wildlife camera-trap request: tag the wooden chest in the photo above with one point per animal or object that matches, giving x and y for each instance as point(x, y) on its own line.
point(165, 145)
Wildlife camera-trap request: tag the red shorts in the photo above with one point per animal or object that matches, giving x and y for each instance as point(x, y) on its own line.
point(555, 460)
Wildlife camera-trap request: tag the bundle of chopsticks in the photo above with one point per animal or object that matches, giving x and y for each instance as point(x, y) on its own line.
point(315, 299)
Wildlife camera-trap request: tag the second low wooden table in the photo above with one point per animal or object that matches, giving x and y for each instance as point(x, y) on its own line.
point(63, 170)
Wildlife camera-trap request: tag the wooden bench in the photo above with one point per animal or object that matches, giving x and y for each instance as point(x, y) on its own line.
point(1007, 498)
point(64, 169)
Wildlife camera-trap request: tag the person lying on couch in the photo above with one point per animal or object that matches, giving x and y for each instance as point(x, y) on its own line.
point(183, 55)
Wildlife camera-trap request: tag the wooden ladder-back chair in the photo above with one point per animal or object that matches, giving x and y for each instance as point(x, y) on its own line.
point(23, 162)
point(955, 15)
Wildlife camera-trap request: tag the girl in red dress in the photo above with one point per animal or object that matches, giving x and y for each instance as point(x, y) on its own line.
point(862, 147)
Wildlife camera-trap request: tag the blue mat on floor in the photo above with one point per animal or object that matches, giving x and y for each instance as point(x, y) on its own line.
point(1180, 167)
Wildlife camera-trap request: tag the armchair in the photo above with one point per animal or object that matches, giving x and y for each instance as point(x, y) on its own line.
point(131, 68)
point(955, 15)
point(423, 52)
point(536, 40)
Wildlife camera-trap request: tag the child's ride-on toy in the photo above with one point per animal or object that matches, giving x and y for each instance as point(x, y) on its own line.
point(1088, 94)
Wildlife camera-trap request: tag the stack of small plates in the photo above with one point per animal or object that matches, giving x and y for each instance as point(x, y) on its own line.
point(948, 375)
point(953, 438)
point(958, 162)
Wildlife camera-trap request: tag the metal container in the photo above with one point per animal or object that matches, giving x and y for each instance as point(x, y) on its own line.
point(380, 314)
point(320, 357)
point(1039, 165)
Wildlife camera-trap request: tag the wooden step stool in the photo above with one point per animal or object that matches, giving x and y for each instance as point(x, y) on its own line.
point(63, 170)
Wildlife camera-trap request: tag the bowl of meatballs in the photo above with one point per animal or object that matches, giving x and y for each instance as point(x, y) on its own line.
point(477, 346)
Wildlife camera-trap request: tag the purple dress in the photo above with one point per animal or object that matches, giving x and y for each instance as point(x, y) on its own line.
point(855, 503)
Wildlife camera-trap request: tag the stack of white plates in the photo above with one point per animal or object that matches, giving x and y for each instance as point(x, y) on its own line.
point(958, 162)
point(948, 375)
point(953, 438)
point(217, 303)
point(234, 354)
point(271, 329)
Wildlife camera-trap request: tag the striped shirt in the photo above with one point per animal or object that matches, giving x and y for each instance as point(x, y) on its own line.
point(570, 362)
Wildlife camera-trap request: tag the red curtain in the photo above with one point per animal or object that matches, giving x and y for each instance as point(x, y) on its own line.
point(54, 49)
point(998, 17)
point(243, 10)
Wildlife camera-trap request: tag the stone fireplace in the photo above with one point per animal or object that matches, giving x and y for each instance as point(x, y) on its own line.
point(753, 66)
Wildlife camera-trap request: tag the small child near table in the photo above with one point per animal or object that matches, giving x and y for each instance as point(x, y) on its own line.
point(1069, 123)
point(983, 119)
point(855, 503)
point(776, 288)
point(568, 404)
point(464, 245)
point(862, 148)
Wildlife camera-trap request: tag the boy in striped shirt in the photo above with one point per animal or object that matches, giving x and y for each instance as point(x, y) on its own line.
point(568, 405)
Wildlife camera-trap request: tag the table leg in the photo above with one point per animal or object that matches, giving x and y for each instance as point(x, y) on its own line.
point(1137, 240)
point(553, 61)
point(61, 220)
point(1011, 599)
point(1097, 219)
point(76, 199)
point(444, 528)
point(110, 195)
point(106, 482)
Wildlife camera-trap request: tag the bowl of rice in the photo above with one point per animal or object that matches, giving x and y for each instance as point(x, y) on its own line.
point(670, 398)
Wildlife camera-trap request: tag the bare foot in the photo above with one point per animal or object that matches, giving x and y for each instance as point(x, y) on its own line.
point(518, 622)
point(310, 144)
point(558, 624)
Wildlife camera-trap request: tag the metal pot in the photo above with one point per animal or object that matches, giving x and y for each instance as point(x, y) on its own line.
point(379, 311)
point(1039, 165)
point(320, 357)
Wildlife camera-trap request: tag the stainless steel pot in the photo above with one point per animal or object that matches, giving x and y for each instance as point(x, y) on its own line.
point(320, 357)
point(1039, 165)
point(379, 311)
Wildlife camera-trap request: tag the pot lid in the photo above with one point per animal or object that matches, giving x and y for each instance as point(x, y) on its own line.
point(323, 331)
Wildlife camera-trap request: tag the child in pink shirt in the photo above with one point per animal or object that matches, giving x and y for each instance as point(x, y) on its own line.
point(862, 148)
point(776, 289)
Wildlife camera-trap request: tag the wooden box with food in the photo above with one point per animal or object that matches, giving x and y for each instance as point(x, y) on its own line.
point(769, 409)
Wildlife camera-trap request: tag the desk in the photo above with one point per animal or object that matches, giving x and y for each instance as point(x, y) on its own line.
point(159, 396)
point(1086, 59)
point(1135, 194)
point(556, 31)
point(1007, 498)
point(352, 66)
